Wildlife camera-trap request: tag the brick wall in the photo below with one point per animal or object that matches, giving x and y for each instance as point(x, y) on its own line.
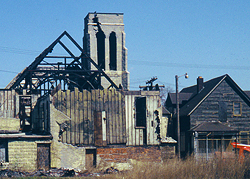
point(123, 154)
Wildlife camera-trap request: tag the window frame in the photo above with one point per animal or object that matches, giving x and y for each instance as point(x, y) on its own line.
point(234, 109)
point(141, 112)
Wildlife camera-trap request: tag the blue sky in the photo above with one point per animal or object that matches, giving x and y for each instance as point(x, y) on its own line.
point(164, 38)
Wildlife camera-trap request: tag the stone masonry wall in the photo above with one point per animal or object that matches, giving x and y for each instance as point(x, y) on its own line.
point(22, 155)
point(64, 155)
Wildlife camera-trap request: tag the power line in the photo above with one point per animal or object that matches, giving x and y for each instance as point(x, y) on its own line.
point(167, 64)
point(6, 71)
point(18, 51)
point(21, 51)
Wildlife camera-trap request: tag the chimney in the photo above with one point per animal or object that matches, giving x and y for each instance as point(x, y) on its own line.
point(199, 84)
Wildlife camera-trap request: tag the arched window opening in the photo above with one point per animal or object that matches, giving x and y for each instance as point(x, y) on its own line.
point(101, 49)
point(112, 52)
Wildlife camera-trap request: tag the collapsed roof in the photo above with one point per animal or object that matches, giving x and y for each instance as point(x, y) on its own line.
point(66, 71)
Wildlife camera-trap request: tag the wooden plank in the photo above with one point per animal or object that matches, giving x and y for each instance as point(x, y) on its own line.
point(101, 94)
point(133, 120)
point(119, 117)
point(63, 102)
point(114, 134)
point(121, 140)
point(8, 104)
point(127, 118)
point(76, 112)
point(124, 139)
point(68, 133)
point(107, 109)
point(130, 120)
point(72, 116)
point(98, 128)
point(90, 119)
point(156, 107)
point(68, 107)
point(59, 99)
point(85, 118)
point(141, 137)
point(137, 137)
point(81, 120)
point(14, 104)
point(5, 103)
point(17, 104)
point(104, 132)
point(110, 117)
point(1, 103)
point(149, 121)
point(97, 97)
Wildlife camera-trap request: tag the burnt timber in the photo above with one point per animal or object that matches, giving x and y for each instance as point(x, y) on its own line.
point(41, 77)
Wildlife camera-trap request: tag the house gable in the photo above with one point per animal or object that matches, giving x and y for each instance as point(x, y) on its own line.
point(219, 106)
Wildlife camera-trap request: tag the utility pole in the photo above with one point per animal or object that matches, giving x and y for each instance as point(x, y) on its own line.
point(178, 114)
point(178, 117)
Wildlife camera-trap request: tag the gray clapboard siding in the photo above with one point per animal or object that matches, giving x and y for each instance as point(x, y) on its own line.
point(208, 110)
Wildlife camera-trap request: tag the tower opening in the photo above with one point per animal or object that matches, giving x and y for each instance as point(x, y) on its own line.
point(100, 36)
point(112, 51)
point(101, 49)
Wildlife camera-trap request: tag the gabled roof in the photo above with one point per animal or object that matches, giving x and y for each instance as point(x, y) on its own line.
point(165, 111)
point(247, 93)
point(212, 127)
point(182, 97)
point(208, 87)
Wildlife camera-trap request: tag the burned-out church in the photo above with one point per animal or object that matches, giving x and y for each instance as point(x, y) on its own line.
point(76, 110)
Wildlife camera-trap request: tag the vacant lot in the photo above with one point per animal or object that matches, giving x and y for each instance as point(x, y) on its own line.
point(189, 168)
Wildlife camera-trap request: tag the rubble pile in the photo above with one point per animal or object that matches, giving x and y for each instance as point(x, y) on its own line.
point(55, 173)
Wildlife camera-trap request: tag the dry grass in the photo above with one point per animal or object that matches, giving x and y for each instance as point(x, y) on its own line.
point(189, 168)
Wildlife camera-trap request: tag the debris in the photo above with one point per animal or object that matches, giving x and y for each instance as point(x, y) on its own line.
point(111, 170)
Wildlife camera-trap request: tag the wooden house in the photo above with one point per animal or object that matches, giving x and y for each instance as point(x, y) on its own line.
point(219, 99)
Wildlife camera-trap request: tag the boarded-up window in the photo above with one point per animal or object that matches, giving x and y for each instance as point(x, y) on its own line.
point(237, 109)
point(3, 151)
point(140, 105)
point(98, 128)
point(222, 111)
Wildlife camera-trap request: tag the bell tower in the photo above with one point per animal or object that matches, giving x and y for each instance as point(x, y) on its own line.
point(104, 42)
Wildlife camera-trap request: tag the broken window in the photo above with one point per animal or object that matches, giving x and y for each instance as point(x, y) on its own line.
point(25, 108)
point(101, 49)
point(237, 109)
point(140, 105)
point(3, 151)
point(112, 51)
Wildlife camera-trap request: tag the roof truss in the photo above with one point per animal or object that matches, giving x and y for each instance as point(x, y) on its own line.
point(69, 71)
